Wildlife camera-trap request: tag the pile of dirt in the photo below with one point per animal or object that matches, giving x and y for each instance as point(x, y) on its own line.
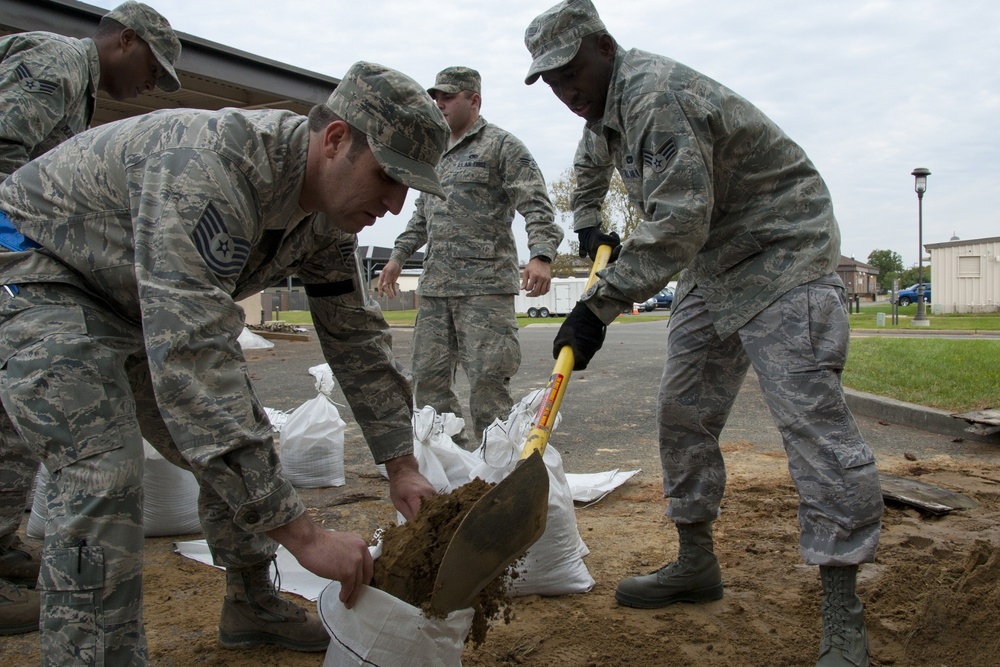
point(965, 603)
point(412, 555)
point(932, 597)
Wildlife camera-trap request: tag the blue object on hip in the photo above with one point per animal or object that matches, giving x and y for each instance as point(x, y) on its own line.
point(12, 239)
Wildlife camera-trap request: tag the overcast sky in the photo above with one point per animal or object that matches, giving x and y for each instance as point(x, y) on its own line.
point(870, 89)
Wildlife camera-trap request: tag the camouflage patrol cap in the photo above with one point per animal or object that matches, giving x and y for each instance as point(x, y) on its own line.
point(454, 79)
point(406, 131)
point(153, 29)
point(554, 36)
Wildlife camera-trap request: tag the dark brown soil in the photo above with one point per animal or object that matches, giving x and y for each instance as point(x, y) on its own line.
point(412, 554)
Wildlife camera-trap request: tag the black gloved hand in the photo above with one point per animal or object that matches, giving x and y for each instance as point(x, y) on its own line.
point(584, 332)
point(591, 238)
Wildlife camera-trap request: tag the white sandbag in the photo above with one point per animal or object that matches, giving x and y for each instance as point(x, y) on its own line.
point(593, 487)
point(277, 418)
point(383, 631)
point(324, 378)
point(445, 465)
point(312, 445)
point(554, 564)
point(170, 499)
point(248, 340)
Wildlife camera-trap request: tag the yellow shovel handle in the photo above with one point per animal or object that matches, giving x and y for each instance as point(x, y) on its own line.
point(545, 418)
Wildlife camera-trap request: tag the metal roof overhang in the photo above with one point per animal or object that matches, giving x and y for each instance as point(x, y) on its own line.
point(212, 75)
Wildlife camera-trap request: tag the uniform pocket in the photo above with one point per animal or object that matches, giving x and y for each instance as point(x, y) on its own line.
point(73, 581)
point(472, 175)
point(54, 386)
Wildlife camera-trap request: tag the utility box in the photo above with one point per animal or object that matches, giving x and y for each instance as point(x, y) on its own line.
point(562, 296)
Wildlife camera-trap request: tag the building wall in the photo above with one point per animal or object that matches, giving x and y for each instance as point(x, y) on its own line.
point(966, 276)
point(859, 278)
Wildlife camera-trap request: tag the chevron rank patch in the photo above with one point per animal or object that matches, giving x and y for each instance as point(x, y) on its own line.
point(225, 255)
point(658, 161)
point(527, 162)
point(31, 84)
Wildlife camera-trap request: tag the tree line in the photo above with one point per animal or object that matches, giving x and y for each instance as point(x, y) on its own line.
point(619, 215)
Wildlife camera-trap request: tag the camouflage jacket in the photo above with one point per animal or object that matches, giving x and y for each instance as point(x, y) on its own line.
point(48, 90)
point(487, 176)
point(171, 217)
point(722, 192)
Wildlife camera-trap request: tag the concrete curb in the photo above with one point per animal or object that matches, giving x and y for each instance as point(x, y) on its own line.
point(915, 416)
point(930, 333)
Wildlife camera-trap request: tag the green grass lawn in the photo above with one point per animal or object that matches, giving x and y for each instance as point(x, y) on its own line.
point(955, 375)
point(866, 319)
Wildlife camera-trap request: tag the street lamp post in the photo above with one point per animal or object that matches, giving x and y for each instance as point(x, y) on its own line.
point(920, 185)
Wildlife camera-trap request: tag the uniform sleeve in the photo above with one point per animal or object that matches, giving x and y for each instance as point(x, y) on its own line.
point(525, 185)
point(357, 344)
point(36, 89)
point(194, 221)
point(593, 170)
point(677, 200)
point(414, 236)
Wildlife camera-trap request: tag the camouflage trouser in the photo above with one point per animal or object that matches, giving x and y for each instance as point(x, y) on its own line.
point(74, 381)
point(16, 477)
point(480, 333)
point(798, 347)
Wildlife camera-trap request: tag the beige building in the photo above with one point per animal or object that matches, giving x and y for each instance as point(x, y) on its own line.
point(966, 276)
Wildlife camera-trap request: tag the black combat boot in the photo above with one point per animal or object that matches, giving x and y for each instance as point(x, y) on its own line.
point(694, 577)
point(845, 640)
point(253, 614)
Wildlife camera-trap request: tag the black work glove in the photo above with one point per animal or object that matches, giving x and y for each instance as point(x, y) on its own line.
point(591, 238)
point(584, 332)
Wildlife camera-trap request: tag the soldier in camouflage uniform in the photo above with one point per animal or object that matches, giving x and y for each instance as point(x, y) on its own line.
point(48, 91)
point(466, 312)
point(729, 198)
point(131, 245)
point(49, 83)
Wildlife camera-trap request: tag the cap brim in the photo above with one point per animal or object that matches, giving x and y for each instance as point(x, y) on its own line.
point(411, 173)
point(551, 60)
point(169, 82)
point(446, 88)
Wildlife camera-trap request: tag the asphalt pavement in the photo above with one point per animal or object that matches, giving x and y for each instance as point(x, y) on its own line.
point(608, 413)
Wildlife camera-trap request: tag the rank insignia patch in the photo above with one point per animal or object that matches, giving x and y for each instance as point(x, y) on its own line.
point(224, 254)
point(31, 84)
point(659, 160)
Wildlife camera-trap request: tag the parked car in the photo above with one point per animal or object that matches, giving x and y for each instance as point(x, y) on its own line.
point(646, 306)
point(909, 295)
point(665, 298)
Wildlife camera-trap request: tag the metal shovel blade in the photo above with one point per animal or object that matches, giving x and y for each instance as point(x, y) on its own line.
point(498, 529)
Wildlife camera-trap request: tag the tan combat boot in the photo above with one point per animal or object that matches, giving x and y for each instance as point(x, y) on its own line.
point(694, 577)
point(19, 562)
point(254, 614)
point(19, 609)
point(845, 640)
